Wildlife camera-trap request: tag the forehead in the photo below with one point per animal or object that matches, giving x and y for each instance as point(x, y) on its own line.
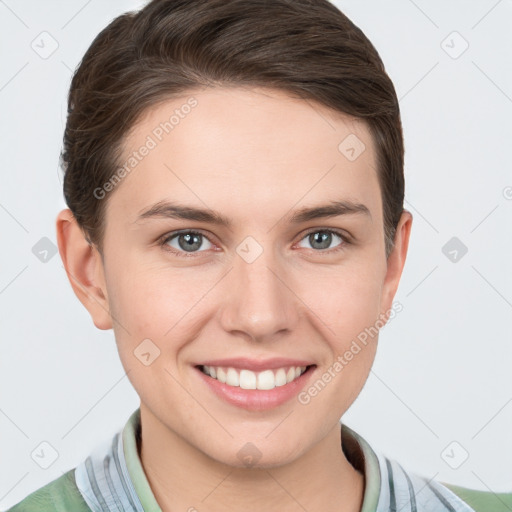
point(247, 152)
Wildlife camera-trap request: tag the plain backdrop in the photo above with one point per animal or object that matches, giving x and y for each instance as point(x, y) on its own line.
point(439, 398)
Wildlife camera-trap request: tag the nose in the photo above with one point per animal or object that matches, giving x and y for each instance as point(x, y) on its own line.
point(259, 301)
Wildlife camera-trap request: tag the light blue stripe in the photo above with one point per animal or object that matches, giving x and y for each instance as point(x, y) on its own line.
point(84, 486)
point(414, 492)
point(104, 481)
point(125, 475)
point(111, 485)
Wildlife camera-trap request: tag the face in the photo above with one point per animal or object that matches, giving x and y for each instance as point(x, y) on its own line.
point(261, 282)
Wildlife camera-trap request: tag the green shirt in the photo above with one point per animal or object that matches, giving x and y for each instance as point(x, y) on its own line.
point(112, 479)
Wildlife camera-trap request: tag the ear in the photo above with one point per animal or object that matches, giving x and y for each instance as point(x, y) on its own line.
point(396, 261)
point(84, 268)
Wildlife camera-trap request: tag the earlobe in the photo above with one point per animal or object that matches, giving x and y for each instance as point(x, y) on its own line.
point(396, 261)
point(84, 268)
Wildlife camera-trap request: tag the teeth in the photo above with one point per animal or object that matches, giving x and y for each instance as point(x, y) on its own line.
point(247, 379)
point(221, 374)
point(266, 380)
point(232, 378)
point(280, 377)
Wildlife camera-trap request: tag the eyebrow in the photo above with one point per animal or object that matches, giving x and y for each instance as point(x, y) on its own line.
point(167, 209)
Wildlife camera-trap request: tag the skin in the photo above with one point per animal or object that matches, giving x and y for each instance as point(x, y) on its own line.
point(255, 156)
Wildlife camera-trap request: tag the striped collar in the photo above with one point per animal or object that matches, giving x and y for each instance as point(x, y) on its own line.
point(112, 478)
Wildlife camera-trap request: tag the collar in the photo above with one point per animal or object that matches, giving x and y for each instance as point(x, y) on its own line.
point(358, 452)
point(112, 478)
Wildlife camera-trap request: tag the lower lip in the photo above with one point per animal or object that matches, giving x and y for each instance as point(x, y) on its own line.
point(257, 399)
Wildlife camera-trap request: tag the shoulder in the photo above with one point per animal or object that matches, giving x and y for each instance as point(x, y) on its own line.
point(59, 495)
point(409, 491)
point(483, 501)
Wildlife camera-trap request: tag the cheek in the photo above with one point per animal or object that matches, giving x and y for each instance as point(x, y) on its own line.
point(157, 303)
point(146, 298)
point(347, 300)
point(146, 303)
point(350, 306)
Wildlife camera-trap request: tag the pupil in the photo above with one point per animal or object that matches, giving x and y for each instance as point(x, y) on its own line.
point(324, 239)
point(192, 241)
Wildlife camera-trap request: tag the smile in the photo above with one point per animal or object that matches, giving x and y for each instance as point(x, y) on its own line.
point(247, 379)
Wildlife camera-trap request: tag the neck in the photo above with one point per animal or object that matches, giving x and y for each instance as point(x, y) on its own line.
point(184, 478)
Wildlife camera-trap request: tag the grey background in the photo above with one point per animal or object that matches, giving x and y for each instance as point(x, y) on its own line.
point(442, 373)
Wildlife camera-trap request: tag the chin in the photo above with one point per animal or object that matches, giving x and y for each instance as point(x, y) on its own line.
point(249, 455)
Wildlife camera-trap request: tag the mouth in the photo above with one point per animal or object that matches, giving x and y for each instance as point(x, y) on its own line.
point(247, 379)
point(255, 383)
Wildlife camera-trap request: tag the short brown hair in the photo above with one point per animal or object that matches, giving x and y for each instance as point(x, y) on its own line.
point(307, 48)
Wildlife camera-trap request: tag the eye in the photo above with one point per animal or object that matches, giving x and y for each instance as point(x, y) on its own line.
point(321, 239)
point(185, 242)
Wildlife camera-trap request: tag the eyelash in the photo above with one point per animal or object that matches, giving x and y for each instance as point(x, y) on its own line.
point(183, 254)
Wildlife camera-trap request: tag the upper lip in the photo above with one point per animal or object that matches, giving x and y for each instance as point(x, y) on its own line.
point(256, 364)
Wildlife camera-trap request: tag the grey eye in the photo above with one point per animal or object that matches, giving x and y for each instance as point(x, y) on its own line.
point(188, 241)
point(321, 239)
